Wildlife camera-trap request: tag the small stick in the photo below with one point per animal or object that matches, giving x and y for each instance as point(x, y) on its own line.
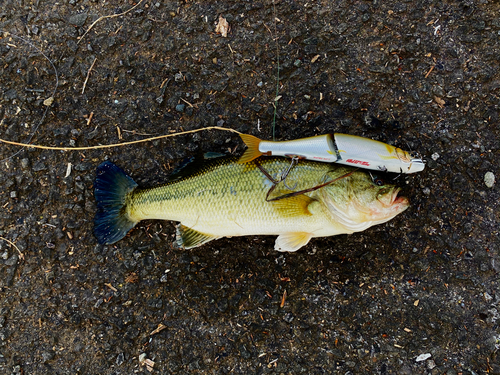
point(430, 70)
point(109, 16)
point(90, 117)
point(21, 255)
point(88, 75)
point(189, 104)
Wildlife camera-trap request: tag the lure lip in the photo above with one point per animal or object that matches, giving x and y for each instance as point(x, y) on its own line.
point(417, 164)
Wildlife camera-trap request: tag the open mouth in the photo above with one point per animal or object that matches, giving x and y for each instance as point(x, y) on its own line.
point(392, 198)
point(397, 199)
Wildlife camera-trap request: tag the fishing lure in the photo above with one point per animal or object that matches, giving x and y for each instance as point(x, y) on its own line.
point(337, 148)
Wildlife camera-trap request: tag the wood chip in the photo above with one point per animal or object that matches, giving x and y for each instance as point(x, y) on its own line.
point(149, 365)
point(439, 101)
point(416, 302)
point(68, 170)
point(160, 328)
point(111, 287)
point(283, 299)
point(48, 102)
point(313, 60)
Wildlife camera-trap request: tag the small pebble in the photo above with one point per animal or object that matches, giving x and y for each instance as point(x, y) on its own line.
point(142, 357)
point(260, 84)
point(431, 364)
point(435, 156)
point(180, 107)
point(178, 77)
point(489, 179)
point(13, 194)
point(423, 357)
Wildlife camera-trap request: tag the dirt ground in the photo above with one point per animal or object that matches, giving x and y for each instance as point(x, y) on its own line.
point(418, 295)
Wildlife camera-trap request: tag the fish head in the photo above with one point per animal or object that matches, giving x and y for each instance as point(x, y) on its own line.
point(359, 199)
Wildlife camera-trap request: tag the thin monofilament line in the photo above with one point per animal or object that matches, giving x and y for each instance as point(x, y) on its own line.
point(278, 73)
point(25, 144)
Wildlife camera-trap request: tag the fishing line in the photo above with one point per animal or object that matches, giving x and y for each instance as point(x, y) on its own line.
point(275, 102)
point(48, 100)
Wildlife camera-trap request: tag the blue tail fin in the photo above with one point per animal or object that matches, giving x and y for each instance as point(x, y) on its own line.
point(111, 187)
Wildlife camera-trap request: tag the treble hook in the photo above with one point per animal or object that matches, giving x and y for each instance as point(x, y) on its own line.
point(286, 171)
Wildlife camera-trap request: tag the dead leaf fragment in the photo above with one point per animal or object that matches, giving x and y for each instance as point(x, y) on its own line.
point(439, 101)
point(222, 27)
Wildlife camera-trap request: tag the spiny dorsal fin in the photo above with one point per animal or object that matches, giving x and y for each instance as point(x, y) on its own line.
point(189, 238)
point(292, 241)
point(252, 151)
point(193, 164)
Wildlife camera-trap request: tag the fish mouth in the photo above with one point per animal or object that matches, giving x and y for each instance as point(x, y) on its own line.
point(392, 198)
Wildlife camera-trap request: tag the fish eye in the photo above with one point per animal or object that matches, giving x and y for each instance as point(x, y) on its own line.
point(377, 180)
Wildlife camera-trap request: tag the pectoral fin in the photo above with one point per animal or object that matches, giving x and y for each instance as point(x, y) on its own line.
point(292, 241)
point(294, 206)
point(188, 238)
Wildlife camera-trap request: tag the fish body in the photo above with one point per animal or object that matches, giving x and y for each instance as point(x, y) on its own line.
point(224, 198)
point(337, 148)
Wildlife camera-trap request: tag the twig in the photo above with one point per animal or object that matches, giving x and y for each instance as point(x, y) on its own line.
point(88, 75)
point(117, 144)
point(109, 16)
point(189, 104)
point(90, 117)
point(430, 70)
point(21, 255)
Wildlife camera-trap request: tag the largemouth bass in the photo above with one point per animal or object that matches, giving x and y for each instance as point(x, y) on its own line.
point(224, 198)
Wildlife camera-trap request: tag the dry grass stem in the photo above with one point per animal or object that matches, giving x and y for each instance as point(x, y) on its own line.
point(109, 16)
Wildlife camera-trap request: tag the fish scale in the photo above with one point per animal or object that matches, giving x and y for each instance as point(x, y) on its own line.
point(224, 198)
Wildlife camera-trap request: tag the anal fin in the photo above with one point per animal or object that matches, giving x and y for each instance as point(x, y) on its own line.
point(188, 238)
point(292, 241)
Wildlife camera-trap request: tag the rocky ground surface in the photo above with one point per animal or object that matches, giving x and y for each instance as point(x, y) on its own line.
point(418, 295)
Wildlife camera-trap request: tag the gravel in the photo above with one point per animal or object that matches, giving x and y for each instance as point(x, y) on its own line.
point(420, 76)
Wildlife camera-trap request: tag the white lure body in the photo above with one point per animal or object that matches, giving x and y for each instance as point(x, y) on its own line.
point(338, 148)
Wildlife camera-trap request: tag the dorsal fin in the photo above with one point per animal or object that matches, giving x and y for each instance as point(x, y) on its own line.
point(193, 164)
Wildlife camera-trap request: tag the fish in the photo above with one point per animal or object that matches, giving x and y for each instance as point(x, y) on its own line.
point(337, 148)
point(223, 198)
